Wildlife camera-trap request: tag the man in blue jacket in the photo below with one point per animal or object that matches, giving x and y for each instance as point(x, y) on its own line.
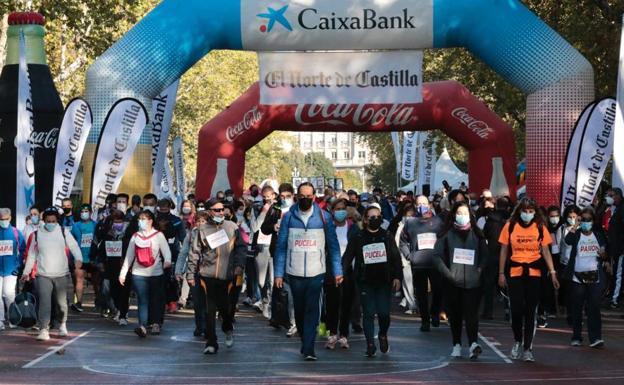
point(12, 246)
point(306, 243)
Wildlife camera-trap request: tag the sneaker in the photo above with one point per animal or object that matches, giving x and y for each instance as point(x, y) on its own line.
point(343, 343)
point(613, 305)
point(515, 351)
point(597, 344)
point(527, 356)
point(371, 350)
point(292, 331)
point(542, 322)
point(409, 311)
point(576, 343)
point(197, 332)
point(425, 327)
point(123, 322)
point(331, 342)
point(141, 331)
point(44, 335)
point(104, 313)
point(209, 349)
point(456, 353)
point(77, 307)
point(384, 347)
point(248, 302)
point(311, 357)
point(403, 302)
point(63, 330)
point(11, 326)
point(155, 329)
point(258, 306)
point(117, 315)
point(266, 311)
point(2, 325)
point(475, 351)
point(229, 339)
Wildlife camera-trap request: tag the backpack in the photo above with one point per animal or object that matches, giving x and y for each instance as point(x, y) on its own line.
point(143, 249)
point(23, 311)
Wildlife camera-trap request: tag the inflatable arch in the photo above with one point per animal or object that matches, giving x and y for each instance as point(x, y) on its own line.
point(447, 105)
point(557, 79)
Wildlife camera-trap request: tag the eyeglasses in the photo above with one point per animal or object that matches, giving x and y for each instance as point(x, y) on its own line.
point(218, 210)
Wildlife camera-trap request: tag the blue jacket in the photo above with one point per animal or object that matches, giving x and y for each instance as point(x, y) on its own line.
point(301, 250)
point(10, 264)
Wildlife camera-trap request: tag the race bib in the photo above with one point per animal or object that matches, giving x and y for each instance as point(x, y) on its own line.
point(426, 241)
point(6, 248)
point(217, 239)
point(555, 249)
point(171, 241)
point(374, 253)
point(464, 256)
point(113, 248)
point(264, 239)
point(86, 241)
point(304, 241)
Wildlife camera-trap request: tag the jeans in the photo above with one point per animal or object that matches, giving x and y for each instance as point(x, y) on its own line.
point(617, 272)
point(524, 296)
point(151, 299)
point(46, 288)
point(7, 291)
point(217, 298)
point(375, 300)
point(588, 297)
point(306, 297)
point(421, 279)
point(463, 305)
point(251, 279)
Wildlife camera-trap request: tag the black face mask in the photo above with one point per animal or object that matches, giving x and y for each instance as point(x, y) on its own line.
point(254, 193)
point(374, 223)
point(228, 217)
point(67, 210)
point(305, 204)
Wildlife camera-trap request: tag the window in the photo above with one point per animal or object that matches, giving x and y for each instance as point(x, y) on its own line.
point(320, 144)
point(347, 155)
point(361, 154)
point(334, 155)
point(307, 145)
point(334, 141)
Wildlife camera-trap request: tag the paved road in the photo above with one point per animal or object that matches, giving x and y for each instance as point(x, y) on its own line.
point(100, 352)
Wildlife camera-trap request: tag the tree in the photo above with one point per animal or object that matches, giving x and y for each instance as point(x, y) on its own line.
point(351, 180)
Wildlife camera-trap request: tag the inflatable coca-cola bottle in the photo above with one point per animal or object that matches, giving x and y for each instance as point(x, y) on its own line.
point(47, 109)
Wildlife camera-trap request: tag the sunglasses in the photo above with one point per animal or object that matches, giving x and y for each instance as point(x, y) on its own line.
point(217, 210)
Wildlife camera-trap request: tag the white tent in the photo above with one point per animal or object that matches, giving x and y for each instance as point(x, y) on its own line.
point(445, 170)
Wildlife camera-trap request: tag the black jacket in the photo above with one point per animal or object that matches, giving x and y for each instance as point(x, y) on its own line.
point(616, 232)
point(420, 259)
point(461, 275)
point(379, 273)
point(493, 226)
point(268, 227)
point(573, 239)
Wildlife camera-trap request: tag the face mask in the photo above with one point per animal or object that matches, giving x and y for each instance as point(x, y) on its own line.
point(34, 220)
point(554, 220)
point(587, 226)
point(340, 215)
point(200, 209)
point(365, 205)
point(240, 217)
point(218, 220)
point(305, 204)
point(254, 193)
point(229, 199)
point(5, 224)
point(118, 227)
point(422, 210)
point(462, 220)
point(374, 223)
point(186, 210)
point(473, 202)
point(609, 201)
point(571, 221)
point(85, 216)
point(67, 210)
point(286, 203)
point(50, 227)
point(150, 208)
point(526, 217)
point(142, 224)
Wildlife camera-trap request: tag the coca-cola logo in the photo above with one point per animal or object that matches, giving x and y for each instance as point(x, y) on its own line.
point(43, 139)
point(354, 115)
point(479, 127)
point(251, 118)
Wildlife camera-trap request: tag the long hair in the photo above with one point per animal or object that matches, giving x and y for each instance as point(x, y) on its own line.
point(528, 204)
point(450, 219)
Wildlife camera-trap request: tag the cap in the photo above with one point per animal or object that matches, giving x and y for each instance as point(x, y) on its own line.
point(24, 18)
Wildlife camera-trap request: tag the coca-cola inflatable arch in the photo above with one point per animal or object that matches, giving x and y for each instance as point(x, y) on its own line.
point(447, 106)
point(556, 78)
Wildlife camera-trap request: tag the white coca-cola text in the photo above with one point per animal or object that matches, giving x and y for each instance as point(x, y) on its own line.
point(479, 127)
point(357, 115)
point(43, 139)
point(251, 118)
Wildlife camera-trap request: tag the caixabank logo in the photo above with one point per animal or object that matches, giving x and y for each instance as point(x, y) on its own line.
point(273, 16)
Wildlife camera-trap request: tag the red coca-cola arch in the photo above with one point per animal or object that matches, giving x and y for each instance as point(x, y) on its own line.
point(447, 105)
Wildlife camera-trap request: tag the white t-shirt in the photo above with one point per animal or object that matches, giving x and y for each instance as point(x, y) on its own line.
point(341, 233)
point(587, 255)
point(305, 217)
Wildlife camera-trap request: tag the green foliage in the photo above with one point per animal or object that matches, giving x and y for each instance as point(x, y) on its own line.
point(351, 180)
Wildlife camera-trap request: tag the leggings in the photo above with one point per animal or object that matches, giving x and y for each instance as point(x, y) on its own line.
point(524, 296)
point(463, 305)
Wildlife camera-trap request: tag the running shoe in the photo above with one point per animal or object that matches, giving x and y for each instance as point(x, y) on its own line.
point(475, 351)
point(248, 302)
point(63, 330)
point(576, 343)
point(457, 350)
point(343, 343)
point(403, 303)
point(527, 356)
point(2, 325)
point(266, 310)
point(409, 312)
point(331, 342)
point(258, 306)
point(292, 331)
point(123, 322)
point(209, 349)
point(597, 344)
point(77, 307)
point(384, 347)
point(542, 322)
point(44, 335)
point(155, 329)
point(311, 357)
point(229, 339)
point(141, 331)
point(515, 351)
point(371, 350)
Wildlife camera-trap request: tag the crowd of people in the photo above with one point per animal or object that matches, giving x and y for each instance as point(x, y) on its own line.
point(322, 264)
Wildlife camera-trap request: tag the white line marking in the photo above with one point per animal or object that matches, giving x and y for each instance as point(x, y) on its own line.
point(54, 350)
point(495, 349)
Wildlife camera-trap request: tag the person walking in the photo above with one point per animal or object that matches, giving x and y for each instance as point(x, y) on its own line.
point(12, 247)
point(84, 233)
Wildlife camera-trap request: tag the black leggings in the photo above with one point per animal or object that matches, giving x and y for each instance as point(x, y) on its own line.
point(524, 296)
point(463, 305)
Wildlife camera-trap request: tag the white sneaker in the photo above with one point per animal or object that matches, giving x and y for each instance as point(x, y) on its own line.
point(331, 342)
point(515, 351)
point(266, 310)
point(258, 306)
point(11, 326)
point(63, 330)
point(456, 353)
point(527, 356)
point(475, 351)
point(597, 344)
point(210, 350)
point(292, 331)
point(116, 317)
point(123, 322)
point(403, 302)
point(44, 335)
point(2, 325)
point(229, 339)
point(343, 343)
point(576, 343)
point(409, 311)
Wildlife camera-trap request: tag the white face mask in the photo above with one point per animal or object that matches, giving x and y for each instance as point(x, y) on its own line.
point(554, 220)
point(122, 207)
point(609, 201)
point(85, 216)
point(186, 210)
point(150, 208)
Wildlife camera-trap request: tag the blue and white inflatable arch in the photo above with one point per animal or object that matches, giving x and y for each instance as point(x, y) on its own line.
point(512, 40)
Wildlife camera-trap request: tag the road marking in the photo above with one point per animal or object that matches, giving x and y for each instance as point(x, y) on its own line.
point(495, 349)
point(54, 350)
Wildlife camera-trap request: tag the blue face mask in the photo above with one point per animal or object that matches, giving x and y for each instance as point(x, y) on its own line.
point(587, 226)
point(142, 224)
point(462, 220)
point(34, 220)
point(422, 210)
point(527, 217)
point(340, 215)
point(5, 224)
point(218, 220)
point(50, 227)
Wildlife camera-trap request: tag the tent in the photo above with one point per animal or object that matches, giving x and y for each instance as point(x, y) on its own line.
point(445, 170)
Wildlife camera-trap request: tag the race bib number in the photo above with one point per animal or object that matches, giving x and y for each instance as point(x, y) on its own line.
point(6, 248)
point(264, 239)
point(304, 241)
point(217, 239)
point(464, 256)
point(426, 241)
point(374, 253)
point(86, 241)
point(171, 241)
point(555, 249)
point(113, 249)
